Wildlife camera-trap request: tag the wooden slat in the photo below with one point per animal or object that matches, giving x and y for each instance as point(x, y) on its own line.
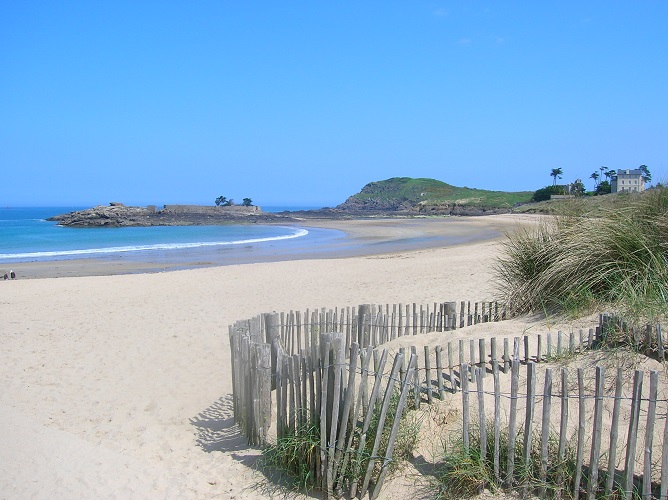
point(649, 434)
point(497, 423)
point(614, 435)
point(427, 370)
point(439, 373)
point(630, 460)
point(592, 483)
point(545, 428)
point(563, 430)
point(481, 415)
point(465, 410)
point(512, 423)
point(529, 414)
point(581, 433)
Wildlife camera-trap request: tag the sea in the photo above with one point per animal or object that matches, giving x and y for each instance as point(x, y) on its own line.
point(27, 236)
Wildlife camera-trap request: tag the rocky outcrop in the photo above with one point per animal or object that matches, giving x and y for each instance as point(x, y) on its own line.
point(114, 215)
point(119, 215)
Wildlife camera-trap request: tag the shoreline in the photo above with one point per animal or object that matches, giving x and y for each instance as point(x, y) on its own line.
point(357, 238)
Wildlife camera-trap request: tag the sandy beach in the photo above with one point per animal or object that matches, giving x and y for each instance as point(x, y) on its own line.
point(118, 385)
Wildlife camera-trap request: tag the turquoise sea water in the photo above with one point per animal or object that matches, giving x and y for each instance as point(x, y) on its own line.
point(26, 235)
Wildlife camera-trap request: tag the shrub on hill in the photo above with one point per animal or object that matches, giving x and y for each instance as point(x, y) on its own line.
point(603, 188)
point(545, 193)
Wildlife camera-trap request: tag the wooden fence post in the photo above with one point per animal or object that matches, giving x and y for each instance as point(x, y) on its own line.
point(481, 415)
point(563, 429)
point(427, 370)
point(465, 411)
point(581, 431)
point(439, 372)
point(545, 428)
point(614, 434)
point(528, 420)
point(497, 423)
point(649, 434)
point(592, 486)
point(664, 463)
point(512, 429)
point(629, 462)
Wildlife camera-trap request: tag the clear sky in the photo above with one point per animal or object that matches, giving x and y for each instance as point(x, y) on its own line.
point(304, 102)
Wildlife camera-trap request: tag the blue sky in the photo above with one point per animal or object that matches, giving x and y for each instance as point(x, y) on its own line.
point(303, 103)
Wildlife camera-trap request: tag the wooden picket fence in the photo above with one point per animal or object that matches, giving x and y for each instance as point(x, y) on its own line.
point(322, 392)
point(310, 363)
point(597, 469)
point(371, 324)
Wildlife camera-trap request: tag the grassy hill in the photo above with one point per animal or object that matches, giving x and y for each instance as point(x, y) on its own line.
point(584, 205)
point(429, 195)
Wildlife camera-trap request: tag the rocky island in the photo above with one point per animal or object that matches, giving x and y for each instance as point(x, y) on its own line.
point(119, 215)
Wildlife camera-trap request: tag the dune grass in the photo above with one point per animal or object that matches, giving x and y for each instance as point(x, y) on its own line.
point(576, 262)
point(464, 474)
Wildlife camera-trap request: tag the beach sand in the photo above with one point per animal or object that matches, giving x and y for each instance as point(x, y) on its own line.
point(118, 386)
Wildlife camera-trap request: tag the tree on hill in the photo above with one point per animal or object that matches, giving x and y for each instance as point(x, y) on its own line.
point(646, 175)
point(556, 172)
point(222, 201)
point(604, 170)
point(247, 202)
point(595, 176)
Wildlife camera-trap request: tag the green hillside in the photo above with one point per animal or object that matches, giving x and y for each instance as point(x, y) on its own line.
point(406, 193)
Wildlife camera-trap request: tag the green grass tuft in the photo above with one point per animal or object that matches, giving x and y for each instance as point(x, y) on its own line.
point(464, 475)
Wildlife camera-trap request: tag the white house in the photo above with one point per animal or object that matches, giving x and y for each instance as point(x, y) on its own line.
point(627, 181)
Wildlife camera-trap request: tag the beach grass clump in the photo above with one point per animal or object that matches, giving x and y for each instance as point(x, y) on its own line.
point(296, 456)
point(575, 262)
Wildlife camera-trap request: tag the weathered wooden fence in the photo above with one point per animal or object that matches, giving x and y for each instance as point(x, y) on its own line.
point(371, 324)
point(603, 455)
point(312, 361)
point(357, 426)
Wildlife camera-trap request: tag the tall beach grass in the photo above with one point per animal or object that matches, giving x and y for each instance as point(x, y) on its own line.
point(575, 262)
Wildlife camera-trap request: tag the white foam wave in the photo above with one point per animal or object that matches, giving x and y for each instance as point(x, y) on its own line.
point(298, 233)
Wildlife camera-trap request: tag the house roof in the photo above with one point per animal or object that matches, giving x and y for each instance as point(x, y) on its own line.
point(627, 171)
